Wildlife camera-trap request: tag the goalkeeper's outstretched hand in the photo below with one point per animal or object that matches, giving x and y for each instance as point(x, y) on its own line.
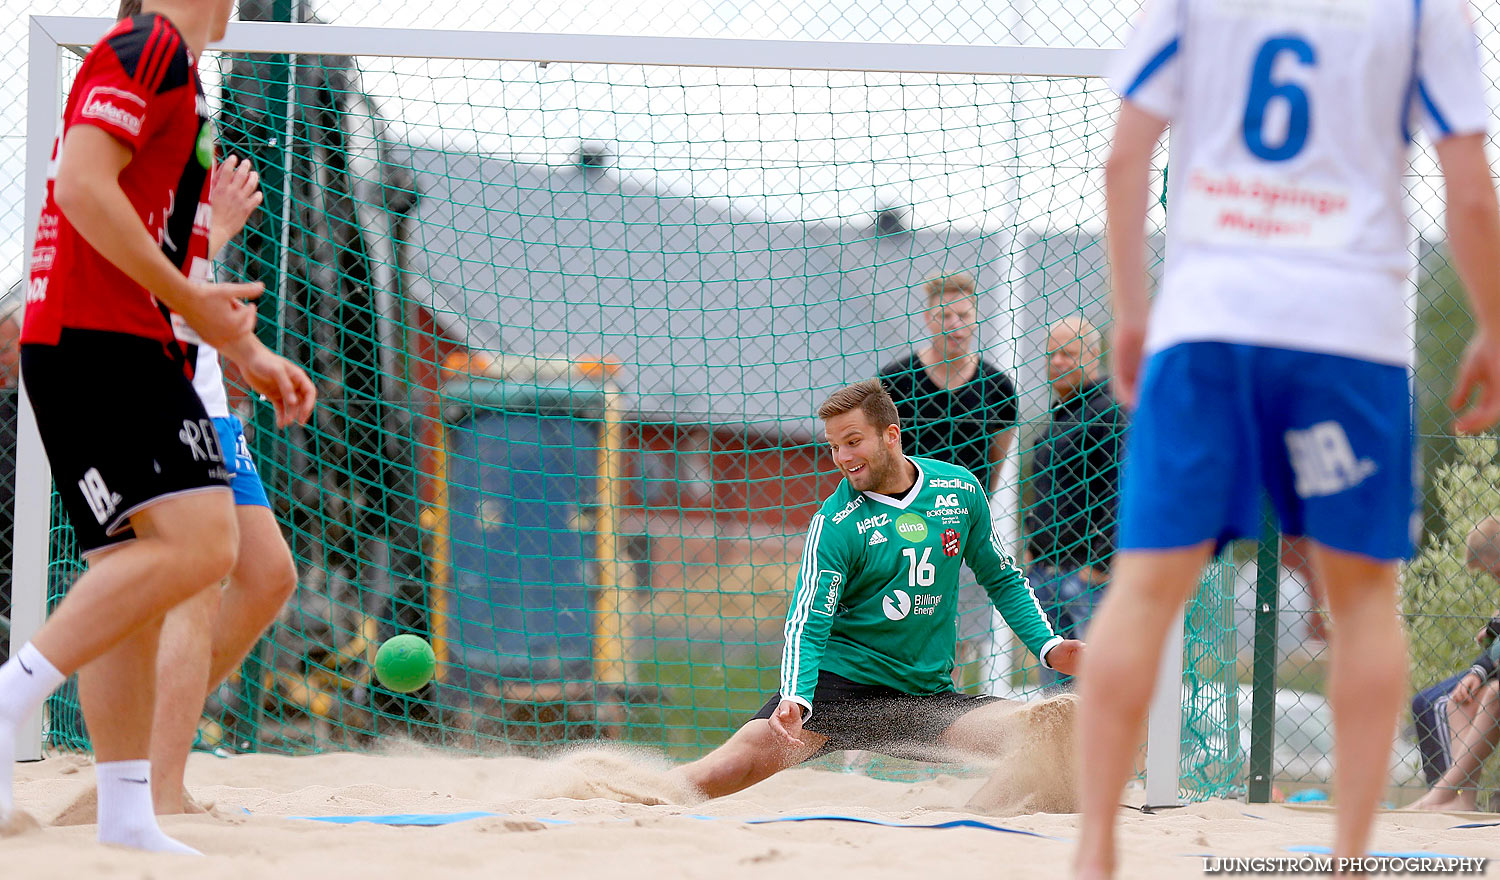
point(1066, 657)
point(786, 721)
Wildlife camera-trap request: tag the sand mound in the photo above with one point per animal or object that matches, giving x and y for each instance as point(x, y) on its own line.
point(83, 809)
point(611, 773)
point(1038, 774)
point(18, 822)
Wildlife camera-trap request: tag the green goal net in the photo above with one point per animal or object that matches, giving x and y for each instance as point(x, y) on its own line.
point(571, 305)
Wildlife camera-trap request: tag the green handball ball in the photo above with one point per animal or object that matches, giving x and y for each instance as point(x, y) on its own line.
point(405, 663)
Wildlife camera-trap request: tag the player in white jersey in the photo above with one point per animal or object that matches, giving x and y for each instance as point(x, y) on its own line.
point(204, 639)
point(1277, 354)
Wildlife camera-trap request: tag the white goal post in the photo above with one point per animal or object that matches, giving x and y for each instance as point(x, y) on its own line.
point(52, 36)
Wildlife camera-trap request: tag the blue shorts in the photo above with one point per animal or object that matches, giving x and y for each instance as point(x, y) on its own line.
point(244, 479)
point(1328, 438)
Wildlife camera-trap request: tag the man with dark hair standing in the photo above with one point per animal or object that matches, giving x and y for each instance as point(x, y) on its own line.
point(869, 653)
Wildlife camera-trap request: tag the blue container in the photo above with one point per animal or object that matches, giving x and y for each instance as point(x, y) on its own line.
point(522, 477)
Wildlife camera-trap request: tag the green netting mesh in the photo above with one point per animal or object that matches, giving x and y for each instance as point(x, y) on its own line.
point(1442, 604)
point(1213, 751)
point(570, 324)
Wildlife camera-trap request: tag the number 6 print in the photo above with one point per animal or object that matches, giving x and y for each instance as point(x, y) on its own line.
point(1263, 90)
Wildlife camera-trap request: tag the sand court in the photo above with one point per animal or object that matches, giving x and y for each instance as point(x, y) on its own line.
point(581, 815)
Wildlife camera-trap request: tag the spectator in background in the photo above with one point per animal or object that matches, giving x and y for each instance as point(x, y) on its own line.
point(956, 406)
point(1458, 719)
point(10, 355)
point(1070, 524)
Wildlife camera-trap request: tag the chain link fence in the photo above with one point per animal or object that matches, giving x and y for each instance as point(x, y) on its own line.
point(375, 539)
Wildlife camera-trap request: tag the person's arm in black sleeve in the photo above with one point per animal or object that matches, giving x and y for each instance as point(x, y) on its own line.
point(1001, 414)
point(1106, 433)
point(1040, 515)
point(1487, 664)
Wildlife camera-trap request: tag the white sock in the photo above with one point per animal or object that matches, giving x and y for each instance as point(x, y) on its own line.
point(26, 680)
point(126, 814)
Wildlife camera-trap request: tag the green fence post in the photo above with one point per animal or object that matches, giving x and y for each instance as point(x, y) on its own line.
point(1263, 674)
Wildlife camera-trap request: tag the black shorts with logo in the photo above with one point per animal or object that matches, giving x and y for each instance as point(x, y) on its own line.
point(122, 427)
point(876, 718)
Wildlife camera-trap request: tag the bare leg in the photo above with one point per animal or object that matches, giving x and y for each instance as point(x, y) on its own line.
point(994, 729)
point(182, 544)
point(181, 684)
point(117, 691)
point(989, 730)
point(1119, 670)
point(205, 639)
point(110, 626)
point(1365, 687)
point(1476, 730)
point(752, 755)
point(1476, 743)
point(1459, 717)
point(263, 579)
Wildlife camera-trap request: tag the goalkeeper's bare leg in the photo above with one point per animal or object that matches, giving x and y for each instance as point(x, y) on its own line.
point(753, 754)
point(986, 728)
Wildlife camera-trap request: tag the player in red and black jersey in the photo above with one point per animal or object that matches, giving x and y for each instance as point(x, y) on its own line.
point(121, 245)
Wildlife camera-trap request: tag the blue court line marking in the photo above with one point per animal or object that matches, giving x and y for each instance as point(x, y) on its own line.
point(951, 823)
point(1419, 854)
point(427, 820)
point(1477, 825)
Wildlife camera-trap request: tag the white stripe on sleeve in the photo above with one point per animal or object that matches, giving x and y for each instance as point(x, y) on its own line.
point(796, 621)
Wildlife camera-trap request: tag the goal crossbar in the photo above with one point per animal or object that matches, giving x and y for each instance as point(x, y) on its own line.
point(323, 39)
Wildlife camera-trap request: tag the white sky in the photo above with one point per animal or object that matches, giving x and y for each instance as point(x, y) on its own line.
point(845, 148)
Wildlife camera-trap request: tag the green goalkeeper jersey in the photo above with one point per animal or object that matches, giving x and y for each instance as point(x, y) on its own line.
point(877, 594)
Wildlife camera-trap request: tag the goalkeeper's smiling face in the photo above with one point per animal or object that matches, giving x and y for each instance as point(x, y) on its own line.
point(868, 458)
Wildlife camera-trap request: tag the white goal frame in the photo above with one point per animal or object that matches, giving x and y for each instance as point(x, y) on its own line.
point(51, 36)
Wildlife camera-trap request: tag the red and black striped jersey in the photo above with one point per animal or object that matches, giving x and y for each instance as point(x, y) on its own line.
point(140, 84)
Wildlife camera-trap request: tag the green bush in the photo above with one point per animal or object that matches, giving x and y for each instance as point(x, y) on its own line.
point(1443, 604)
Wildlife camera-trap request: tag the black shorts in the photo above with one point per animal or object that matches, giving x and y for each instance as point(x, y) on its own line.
point(876, 718)
point(122, 427)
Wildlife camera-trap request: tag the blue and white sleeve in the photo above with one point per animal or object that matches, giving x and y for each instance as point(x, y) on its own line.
point(1146, 71)
point(1448, 89)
